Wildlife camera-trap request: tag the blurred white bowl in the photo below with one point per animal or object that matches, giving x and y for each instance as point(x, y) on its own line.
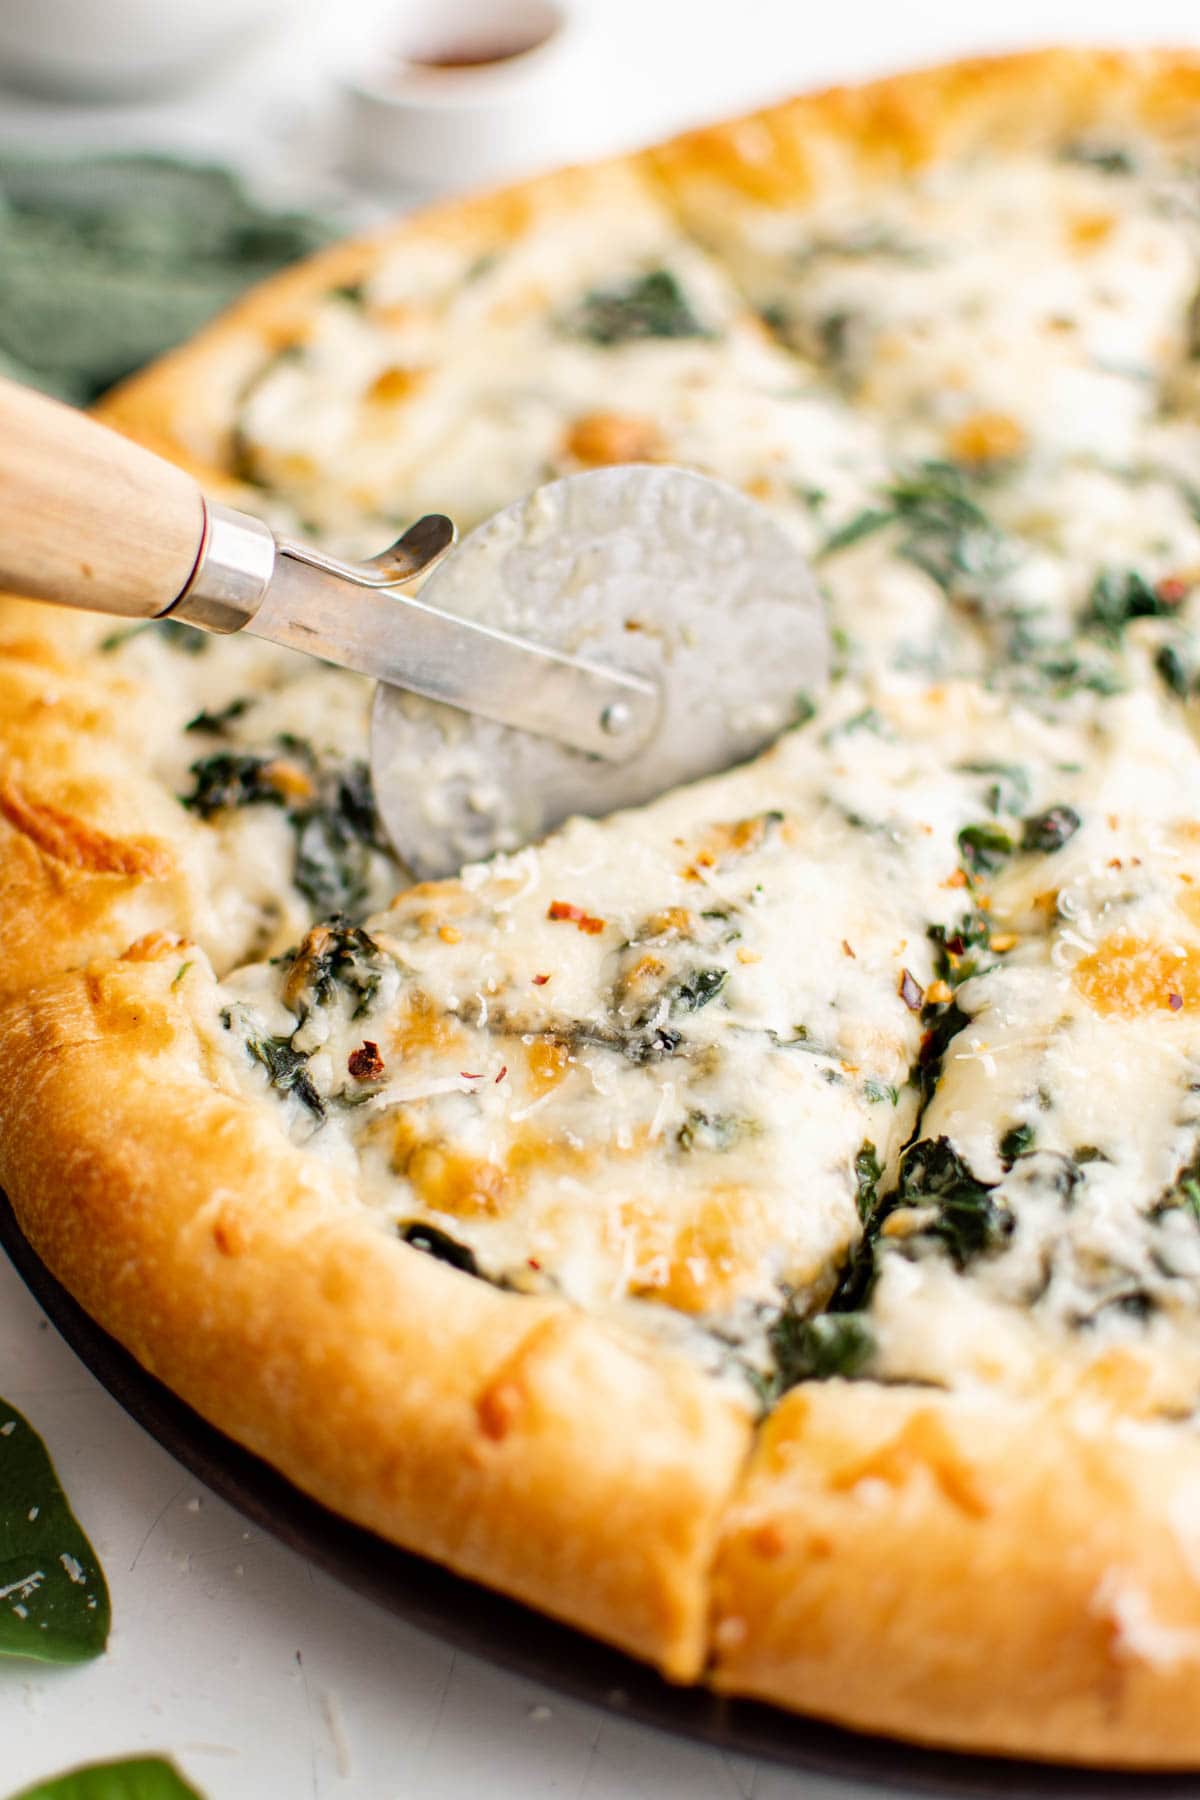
point(458, 92)
point(111, 49)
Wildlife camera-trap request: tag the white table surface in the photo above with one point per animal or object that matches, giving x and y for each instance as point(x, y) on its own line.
point(263, 1677)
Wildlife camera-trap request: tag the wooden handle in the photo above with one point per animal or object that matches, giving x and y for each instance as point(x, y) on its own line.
point(88, 518)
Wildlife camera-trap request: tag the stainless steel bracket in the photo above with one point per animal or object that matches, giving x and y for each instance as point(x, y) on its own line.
point(238, 556)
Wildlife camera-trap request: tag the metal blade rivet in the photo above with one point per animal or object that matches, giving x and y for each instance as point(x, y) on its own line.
point(616, 718)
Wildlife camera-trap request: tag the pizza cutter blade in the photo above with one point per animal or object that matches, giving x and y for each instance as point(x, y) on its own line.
point(612, 635)
point(615, 634)
point(655, 571)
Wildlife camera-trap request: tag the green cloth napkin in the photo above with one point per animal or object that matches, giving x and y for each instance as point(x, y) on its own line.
point(106, 261)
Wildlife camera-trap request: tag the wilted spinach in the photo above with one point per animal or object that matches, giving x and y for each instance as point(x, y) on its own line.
point(329, 805)
point(1048, 831)
point(970, 1220)
point(1118, 596)
point(653, 305)
point(944, 530)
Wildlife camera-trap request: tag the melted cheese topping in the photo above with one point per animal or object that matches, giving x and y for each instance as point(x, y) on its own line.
point(880, 1056)
point(646, 1076)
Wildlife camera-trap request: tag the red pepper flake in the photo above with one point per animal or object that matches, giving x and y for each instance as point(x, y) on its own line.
point(911, 991)
point(575, 915)
point(1175, 1002)
point(500, 1076)
point(956, 944)
point(533, 1262)
point(847, 951)
point(467, 1075)
point(1172, 589)
point(365, 1063)
point(540, 980)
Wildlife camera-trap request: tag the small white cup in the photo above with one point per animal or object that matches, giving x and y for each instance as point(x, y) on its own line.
point(460, 92)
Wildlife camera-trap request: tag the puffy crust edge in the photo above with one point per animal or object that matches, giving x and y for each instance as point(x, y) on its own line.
point(184, 405)
point(93, 852)
point(846, 138)
point(804, 148)
point(969, 1571)
point(515, 1440)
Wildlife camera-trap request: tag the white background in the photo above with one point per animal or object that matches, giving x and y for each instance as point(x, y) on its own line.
point(263, 1677)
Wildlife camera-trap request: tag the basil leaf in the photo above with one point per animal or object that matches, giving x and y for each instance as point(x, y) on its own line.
point(140, 1778)
point(106, 261)
point(53, 1598)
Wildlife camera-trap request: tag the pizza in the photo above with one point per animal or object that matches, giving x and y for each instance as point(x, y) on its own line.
point(762, 1228)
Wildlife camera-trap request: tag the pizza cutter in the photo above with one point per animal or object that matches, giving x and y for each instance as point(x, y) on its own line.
point(614, 634)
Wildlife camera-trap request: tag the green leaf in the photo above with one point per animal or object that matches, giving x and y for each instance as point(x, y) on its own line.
point(1108, 159)
point(1119, 595)
point(1015, 1142)
point(1048, 831)
point(139, 1778)
point(984, 848)
point(335, 959)
point(234, 778)
point(1009, 791)
point(171, 632)
point(970, 1221)
point(868, 1173)
point(709, 1131)
point(53, 1599)
point(650, 306)
point(106, 261)
point(697, 988)
point(820, 1348)
point(1184, 1191)
point(944, 530)
point(286, 1067)
point(863, 525)
point(329, 805)
point(954, 944)
point(1177, 668)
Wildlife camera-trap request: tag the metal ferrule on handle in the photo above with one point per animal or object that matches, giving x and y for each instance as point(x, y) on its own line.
point(232, 573)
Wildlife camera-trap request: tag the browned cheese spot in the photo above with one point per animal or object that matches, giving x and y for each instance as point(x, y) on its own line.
point(599, 439)
point(1128, 975)
point(64, 838)
point(922, 1444)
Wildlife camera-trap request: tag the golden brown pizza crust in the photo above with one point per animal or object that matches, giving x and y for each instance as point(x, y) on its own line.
point(971, 1571)
point(849, 138)
point(184, 405)
point(92, 853)
point(513, 1439)
point(962, 1570)
point(842, 140)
